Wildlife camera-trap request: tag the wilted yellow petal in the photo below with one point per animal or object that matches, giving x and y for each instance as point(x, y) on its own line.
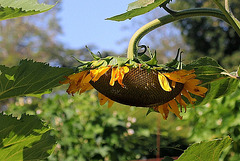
point(125, 69)
point(77, 77)
point(163, 109)
point(190, 85)
point(197, 90)
point(188, 96)
point(114, 76)
point(97, 73)
point(181, 102)
point(85, 88)
point(102, 99)
point(173, 107)
point(86, 79)
point(73, 88)
point(180, 76)
point(110, 103)
point(164, 82)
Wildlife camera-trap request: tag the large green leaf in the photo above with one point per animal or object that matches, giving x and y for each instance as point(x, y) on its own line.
point(205, 151)
point(138, 8)
point(18, 8)
point(207, 69)
point(24, 139)
point(29, 78)
point(218, 81)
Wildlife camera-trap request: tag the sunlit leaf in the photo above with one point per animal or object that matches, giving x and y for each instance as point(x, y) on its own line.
point(137, 8)
point(12, 8)
point(218, 89)
point(207, 151)
point(212, 76)
point(30, 78)
point(24, 139)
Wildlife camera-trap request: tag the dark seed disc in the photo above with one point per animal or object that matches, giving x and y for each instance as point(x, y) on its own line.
point(142, 88)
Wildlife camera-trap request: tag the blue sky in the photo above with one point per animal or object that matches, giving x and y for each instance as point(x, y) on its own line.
point(83, 23)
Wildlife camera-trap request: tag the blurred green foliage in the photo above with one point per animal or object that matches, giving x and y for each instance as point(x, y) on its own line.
point(217, 119)
point(86, 131)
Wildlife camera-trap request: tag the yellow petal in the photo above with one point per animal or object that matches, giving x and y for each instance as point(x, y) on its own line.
point(188, 96)
point(73, 88)
point(183, 72)
point(181, 102)
point(120, 79)
point(192, 82)
point(114, 76)
point(164, 82)
point(163, 109)
point(97, 74)
point(125, 69)
point(102, 99)
point(85, 88)
point(173, 107)
point(110, 103)
point(190, 85)
point(77, 77)
point(180, 76)
point(86, 79)
point(198, 90)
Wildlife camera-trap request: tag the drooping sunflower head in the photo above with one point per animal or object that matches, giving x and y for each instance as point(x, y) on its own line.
point(137, 84)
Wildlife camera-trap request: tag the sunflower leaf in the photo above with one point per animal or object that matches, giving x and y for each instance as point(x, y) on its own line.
point(218, 89)
point(12, 8)
point(218, 81)
point(206, 69)
point(24, 139)
point(207, 151)
point(137, 8)
point(30, 78)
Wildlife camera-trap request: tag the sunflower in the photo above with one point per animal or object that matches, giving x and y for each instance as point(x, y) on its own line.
point(138, 85)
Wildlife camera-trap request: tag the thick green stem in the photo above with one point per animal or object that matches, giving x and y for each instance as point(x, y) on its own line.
point(233, 21)
point(139, 34)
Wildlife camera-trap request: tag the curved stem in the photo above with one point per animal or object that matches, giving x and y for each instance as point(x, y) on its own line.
point(234, 22)
point(140, 33)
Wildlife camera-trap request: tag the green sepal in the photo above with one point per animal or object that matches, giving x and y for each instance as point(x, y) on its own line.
point(153, 61)
point(108, 59)
point(174, 63)
point(120, 61)
point(96, 64)
point(82, 62)
point(150, 109)
point(95, 57)
point(143, 58)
